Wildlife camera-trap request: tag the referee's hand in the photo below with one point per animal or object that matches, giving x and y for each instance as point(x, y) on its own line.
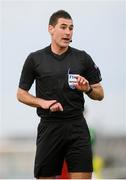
point(56, 106)
point(52, 105)
point(82, 84)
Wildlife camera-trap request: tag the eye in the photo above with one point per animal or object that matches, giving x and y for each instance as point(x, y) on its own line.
point(71, 28)
point(63, 27)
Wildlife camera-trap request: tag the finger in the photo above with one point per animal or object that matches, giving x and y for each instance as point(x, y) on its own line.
point(56, 107)
point(81, 81)
point(60, 107)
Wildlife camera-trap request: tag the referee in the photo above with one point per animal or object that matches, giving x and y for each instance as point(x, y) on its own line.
point(63, 75)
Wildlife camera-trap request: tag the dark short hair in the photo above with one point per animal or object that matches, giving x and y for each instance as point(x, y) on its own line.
point(58, 14)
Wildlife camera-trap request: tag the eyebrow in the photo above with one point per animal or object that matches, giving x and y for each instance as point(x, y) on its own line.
point(67, 25)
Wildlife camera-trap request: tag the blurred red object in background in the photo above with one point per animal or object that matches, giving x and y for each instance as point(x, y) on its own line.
point(64, 174)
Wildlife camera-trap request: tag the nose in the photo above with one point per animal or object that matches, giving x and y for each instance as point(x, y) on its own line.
point(68, 31)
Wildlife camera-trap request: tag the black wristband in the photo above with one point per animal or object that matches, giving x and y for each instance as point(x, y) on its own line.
point(89, 91)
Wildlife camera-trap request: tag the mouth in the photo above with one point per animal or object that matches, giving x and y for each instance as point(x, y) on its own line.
point(66, 39)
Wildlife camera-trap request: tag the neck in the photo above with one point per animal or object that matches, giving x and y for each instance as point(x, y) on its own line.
point(58, 50)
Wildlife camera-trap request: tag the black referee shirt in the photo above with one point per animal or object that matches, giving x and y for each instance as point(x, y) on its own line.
point(50, 72)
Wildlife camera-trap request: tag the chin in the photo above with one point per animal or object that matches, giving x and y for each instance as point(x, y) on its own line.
point(64, 45)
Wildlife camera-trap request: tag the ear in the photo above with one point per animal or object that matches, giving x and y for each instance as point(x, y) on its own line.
point(50, 29)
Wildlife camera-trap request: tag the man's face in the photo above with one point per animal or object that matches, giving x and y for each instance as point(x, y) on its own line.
point(62, 32)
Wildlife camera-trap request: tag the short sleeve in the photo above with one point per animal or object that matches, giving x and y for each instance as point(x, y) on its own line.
point(27, 74)
point(92, 72)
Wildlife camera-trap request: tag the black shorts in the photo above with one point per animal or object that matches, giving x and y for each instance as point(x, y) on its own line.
point(56, 141)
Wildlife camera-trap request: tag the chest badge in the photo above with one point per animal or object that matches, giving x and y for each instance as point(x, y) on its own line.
point(72, 79)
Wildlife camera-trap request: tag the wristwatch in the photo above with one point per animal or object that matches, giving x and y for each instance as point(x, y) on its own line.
point(89, 91)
